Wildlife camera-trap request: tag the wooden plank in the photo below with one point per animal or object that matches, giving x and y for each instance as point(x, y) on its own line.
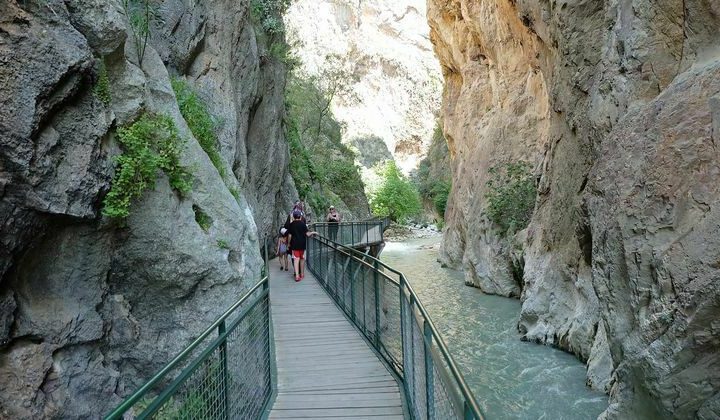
point(325, 369)
point(292, 413)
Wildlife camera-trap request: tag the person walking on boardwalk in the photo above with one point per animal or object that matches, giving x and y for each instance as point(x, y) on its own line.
point(333, 218)
point(282, 249)
point(297, 235)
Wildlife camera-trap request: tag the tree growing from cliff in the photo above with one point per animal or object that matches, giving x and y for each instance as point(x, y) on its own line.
point(396, 197)
point(139, 15)
point(319, 162)
point(318, 91)
point(511, 196)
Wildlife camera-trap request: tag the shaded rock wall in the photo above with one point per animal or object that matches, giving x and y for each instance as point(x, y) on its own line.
point(615, 105)
point(89, 308)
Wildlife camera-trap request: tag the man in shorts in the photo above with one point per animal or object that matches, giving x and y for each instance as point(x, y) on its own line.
point(298, 233)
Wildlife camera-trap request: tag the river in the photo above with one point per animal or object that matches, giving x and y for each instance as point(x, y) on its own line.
point(511, 379)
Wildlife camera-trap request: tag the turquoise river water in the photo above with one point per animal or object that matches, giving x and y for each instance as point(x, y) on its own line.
point(511, 379)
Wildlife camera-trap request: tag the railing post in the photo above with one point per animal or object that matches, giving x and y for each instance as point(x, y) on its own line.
point(429, 384)
point(468, 414)
point(352, 290)
point(352, 234)
point(223, 366)
point(376, 285)
point(403, 344)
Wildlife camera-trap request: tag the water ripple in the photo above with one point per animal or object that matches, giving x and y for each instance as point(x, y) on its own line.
point(511, 378)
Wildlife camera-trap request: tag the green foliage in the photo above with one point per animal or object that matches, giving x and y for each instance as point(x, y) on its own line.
point(320, 164)
point(268, 13)
point(433, 177)
point(139, 14)
point(223, 244)
point(203, 398)
point(301, 165)
point(396, 197)
point(282, 52)
point(235, 193)
point(201, 123)
point(440, 192)
point(102, 86)
point(511, 196)
point(202, 218)
point(149, 144)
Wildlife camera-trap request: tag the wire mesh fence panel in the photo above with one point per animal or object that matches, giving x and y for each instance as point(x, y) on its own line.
point(223, 374)
point(390, 328)
point(383, 306)
point(445, 405)
point(419, 383)
point(248, 364)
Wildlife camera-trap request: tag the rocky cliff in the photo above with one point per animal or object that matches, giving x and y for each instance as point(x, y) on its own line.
point(390, 104)
point(91, 306)
point(616, 106)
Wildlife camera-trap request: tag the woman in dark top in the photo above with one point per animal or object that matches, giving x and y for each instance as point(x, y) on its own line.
point(298, 233)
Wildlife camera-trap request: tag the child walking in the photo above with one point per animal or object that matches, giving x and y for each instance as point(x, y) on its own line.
point(282, 248)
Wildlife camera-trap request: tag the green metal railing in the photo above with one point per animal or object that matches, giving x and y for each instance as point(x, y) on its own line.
point(381, 303)
point(222, 376)
point(356, 234)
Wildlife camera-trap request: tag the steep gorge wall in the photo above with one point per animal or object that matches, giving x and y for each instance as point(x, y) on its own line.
point(389, 109)
point(89, 308)
point(617, 107)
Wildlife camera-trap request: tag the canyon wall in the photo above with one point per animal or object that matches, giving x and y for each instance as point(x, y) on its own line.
point(616, 106)
point(390, 103)
point(91, 307)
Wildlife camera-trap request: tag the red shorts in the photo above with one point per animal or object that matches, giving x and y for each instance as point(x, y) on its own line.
point(299, 254)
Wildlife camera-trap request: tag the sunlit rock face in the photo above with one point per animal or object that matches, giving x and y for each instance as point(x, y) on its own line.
point(390, 108)
point(616, 106)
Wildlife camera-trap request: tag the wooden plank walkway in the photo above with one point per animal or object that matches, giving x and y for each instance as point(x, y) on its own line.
point(325, 369)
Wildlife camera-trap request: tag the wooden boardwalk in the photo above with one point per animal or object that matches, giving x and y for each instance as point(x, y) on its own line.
point(325, 369)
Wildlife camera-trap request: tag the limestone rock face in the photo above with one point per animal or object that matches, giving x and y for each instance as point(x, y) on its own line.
point(88, 306)
point(391, 106)
point(615, 104)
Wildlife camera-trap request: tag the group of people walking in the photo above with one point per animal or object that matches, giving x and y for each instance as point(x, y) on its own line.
point(292, 241)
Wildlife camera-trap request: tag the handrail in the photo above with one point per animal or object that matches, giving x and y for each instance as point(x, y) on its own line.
point(137, 395)
point(471, 408)
point(355, 233)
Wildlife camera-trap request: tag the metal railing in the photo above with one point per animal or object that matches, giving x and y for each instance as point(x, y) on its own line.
point(381, 303)
point(355, 234)
point(223, 376)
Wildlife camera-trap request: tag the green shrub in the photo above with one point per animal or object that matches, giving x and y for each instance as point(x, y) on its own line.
point(284, 54)
point(223, 244)
point(511, 196)
point(440, 192)
point(235, 193)
point(149, 144)
point(268, 14)
point(200, 122)
point(102, 86)
point(396, 197)
point(203, 219)
point(433, 177)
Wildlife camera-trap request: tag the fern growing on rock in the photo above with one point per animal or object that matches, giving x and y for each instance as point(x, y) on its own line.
point(150, 144)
